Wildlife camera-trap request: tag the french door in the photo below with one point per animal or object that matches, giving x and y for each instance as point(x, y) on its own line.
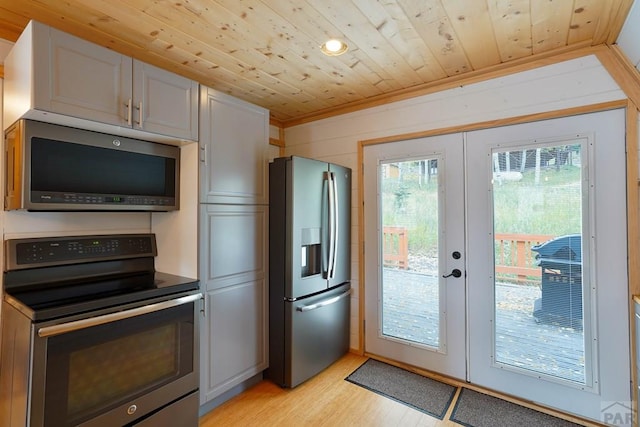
point(415, 314)
point(499, 257)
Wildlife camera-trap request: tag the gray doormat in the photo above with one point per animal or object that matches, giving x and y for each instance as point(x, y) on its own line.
point(481, 410)
point(421, 393)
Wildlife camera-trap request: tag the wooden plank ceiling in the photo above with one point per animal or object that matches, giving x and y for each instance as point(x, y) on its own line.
point(267, 51)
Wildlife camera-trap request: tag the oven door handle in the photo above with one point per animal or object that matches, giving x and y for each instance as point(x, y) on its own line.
point(49, 331)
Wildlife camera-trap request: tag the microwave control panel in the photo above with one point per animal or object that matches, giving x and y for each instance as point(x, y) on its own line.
point(99, 199)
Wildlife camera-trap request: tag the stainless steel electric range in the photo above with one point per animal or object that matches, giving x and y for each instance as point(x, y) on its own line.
point(92, 335)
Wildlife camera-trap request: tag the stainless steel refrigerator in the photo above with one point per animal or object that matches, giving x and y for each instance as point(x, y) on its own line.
point(309, 267)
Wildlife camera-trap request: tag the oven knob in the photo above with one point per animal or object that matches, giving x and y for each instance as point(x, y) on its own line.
point(132, 409)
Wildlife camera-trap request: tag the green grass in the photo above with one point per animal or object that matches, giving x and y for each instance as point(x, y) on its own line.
point(552, 207)
point(415, 207)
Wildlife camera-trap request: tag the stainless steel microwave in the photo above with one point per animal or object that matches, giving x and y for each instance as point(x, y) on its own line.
point(57, 168)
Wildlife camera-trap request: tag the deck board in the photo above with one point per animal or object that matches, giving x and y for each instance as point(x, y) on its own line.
point(411, 312)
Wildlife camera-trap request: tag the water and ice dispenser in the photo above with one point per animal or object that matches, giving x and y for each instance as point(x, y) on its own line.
point(310, 259)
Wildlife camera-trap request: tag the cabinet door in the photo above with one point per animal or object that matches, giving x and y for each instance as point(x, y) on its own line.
point(234, 142)
point(80, 79)
point(233, 277)
point(164, 102)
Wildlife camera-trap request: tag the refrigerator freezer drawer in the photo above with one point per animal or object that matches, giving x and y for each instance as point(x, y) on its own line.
point(319, 334)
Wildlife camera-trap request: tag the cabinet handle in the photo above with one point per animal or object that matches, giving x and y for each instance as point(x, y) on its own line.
point(140, 114)
point(203, 154)
point(129, 112)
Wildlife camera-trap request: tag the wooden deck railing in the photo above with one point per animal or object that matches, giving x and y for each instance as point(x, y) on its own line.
point(514, 258)
point(395, 247)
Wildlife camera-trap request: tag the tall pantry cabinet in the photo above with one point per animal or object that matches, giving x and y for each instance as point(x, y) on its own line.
point(234, 138)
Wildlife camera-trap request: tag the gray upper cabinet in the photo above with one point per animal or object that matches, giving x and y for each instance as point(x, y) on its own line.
point(95, 93)
point(164, 102)
point(49, 71)
point(234, 141)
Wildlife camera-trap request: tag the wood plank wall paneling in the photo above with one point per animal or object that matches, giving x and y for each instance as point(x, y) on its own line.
point(276, 142)
point(633, 232)
point(516, 66)
point(628, 78)
point(545, 88)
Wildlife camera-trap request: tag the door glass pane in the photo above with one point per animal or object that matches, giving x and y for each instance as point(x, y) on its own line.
point(410, 286)
point(538, 206)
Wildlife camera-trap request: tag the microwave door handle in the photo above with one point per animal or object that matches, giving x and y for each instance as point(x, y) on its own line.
point(62, 328)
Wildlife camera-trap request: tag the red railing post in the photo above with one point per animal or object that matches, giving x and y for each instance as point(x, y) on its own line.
point(395, 247)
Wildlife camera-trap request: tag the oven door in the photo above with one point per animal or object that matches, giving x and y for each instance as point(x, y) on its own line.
point(116, 368)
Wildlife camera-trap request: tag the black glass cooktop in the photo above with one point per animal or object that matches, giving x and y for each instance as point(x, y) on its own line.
point(60, 300)
point(57, 277)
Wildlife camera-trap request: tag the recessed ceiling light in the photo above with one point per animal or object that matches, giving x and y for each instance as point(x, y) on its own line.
point(334, 47)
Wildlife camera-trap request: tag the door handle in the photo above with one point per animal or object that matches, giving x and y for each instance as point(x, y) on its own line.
point(76, 325)
point(325, 302)
point(336, 222)
point(455, 273)
point(331, 224)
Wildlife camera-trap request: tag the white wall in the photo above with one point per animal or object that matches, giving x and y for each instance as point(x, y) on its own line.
point(5, 47)
point(578, 82)
point(629, 38)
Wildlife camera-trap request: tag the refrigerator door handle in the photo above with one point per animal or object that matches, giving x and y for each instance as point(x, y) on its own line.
point(336, 222)
point(324, 303)
point(328, 254)
point(333, 225)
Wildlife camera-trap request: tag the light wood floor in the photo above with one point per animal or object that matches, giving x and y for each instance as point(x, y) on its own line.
point(328, 400)
point(325, 400)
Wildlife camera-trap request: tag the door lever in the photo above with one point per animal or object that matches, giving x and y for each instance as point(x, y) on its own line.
point(455, 273)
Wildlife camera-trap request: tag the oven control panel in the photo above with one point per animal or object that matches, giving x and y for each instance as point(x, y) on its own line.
point(48, 251)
